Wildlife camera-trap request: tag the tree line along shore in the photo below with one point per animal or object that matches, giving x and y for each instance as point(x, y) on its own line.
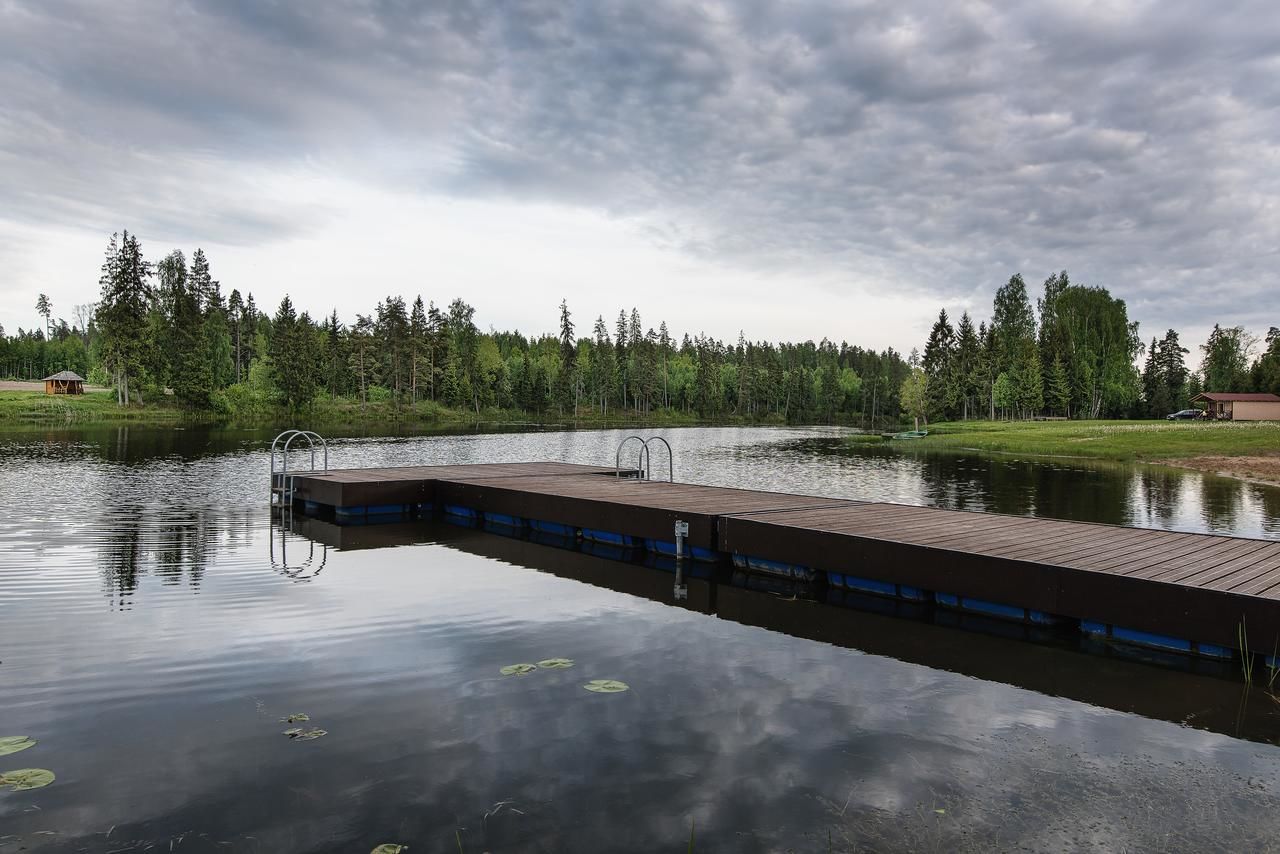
point(168, 343)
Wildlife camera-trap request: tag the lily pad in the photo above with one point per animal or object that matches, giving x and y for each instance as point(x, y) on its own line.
point(555, 663)
point(518, 669)
point(389, 848)
point(295, 718)
point(26, 778)
point(14, 743)
point(299, 734)
point(606, 686)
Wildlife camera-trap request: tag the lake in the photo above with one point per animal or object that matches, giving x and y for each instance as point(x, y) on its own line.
point(155, 629)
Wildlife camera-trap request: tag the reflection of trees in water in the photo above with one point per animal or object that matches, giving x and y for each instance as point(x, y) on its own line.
point(120, 559)
point(1158, 495)
point(1268, 498)
point(140, 444)
point(174, 547)
point(1024, 487)
point(1221, 504)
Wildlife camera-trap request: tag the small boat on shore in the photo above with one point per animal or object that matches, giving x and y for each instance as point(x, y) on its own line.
point(907, 434)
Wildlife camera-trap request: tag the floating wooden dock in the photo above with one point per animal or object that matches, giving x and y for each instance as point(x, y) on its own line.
point(1191, 593)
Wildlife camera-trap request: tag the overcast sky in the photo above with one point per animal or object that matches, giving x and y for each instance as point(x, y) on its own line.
point(794, 169)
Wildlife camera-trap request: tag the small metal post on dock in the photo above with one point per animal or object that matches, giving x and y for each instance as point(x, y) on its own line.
point(681, 589)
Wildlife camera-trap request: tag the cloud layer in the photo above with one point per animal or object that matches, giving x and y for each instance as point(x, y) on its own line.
point(929, 147)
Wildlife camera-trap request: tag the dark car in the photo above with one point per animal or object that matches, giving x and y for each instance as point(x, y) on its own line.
point(1185, 415)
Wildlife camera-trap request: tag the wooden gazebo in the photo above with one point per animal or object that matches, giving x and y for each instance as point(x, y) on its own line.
point(64, 382)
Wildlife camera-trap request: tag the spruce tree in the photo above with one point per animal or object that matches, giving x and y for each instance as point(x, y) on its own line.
point(566, 380)
point(122, 310)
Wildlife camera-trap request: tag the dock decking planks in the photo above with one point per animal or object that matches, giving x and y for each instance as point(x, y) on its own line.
point(1194, 586)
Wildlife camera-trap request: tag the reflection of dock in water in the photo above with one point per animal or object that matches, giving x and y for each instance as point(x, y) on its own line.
point(1174, 594)
point(1185, 690)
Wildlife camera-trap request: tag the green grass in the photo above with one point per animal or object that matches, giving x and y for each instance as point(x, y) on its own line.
point(1112, 440)
point(19, 408)
point(35, 407)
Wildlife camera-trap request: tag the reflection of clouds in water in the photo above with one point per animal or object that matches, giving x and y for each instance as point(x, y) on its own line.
point(162, 719)
point(762, 738)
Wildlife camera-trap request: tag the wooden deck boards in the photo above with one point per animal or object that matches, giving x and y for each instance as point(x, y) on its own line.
point(1186, 585)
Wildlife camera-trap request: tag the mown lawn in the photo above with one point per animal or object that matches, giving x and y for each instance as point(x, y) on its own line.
point(1117, 440)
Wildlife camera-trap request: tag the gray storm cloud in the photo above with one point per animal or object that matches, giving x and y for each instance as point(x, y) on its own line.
point(936, 146)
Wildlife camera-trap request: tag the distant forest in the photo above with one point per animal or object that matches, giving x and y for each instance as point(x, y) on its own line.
point(167, 329)
point(164, 330)
point(1077, 355)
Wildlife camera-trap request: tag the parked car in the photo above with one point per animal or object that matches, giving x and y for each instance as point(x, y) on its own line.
point(1185, 415)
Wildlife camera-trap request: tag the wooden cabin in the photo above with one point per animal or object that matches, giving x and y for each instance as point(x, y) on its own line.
point(1240, 406)
point(64, 382)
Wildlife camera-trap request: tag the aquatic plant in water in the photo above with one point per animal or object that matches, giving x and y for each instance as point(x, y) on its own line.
point(606, 686)
point(14, 743)
point(295, 718)
point(555, 663)
point(389, 848)
point(26, 778)
point(518, 669)
point(299, 734)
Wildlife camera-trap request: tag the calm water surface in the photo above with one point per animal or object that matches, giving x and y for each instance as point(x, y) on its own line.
point(154, 628)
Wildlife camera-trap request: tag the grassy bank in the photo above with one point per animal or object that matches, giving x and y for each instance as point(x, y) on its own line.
point(1114, 440)
point(1244, 450)
point(25, 408)
point(35, 407)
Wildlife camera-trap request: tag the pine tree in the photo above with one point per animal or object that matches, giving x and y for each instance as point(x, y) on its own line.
point(939, 367)
point(566, 380)
point(235, 309)
point(967, 361)
point(418, 346)
point(122, 310)
point(294, 356)
point(44, 308)
point(361, 359)
point(1173, 370)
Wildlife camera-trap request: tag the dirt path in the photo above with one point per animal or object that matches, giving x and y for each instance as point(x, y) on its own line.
point(1259, 469)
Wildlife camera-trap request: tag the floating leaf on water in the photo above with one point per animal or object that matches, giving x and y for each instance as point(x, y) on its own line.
point(556, 663)
point(606, 686)
point(26, 778)
point(518, 669)
point(295, 718)
point(299, 734)
point(389, 848)
point(14, 743)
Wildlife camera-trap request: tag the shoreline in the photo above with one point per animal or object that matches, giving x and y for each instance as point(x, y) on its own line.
point(1246, 451)
point(1262, 470)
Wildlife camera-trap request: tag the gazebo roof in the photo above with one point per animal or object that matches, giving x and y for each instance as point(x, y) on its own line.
point(65, 376)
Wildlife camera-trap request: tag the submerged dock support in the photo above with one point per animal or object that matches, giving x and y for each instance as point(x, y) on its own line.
point(681, 591)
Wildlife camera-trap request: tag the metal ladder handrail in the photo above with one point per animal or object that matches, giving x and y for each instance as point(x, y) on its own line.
point(285, 487)
point(671, 460)
point(640, 458)
point(643, 459)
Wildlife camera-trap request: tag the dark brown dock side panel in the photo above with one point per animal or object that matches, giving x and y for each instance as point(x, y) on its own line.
point(638, 508)
point(1152, 581)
